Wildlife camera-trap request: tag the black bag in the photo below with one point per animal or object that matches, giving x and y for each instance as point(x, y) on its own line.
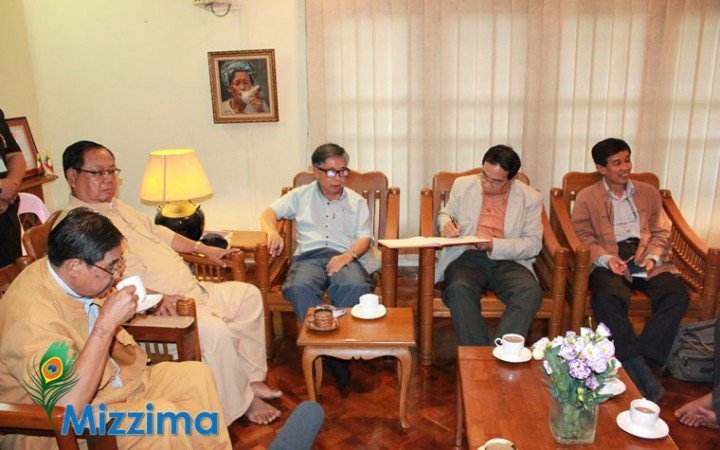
point(692, 357)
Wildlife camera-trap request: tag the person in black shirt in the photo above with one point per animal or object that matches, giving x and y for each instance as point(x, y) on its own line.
point(12, 169)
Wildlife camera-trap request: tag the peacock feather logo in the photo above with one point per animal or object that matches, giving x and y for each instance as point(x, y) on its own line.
point(54, 377)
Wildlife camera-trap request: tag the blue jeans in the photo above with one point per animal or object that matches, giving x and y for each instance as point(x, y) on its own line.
point(308, 278)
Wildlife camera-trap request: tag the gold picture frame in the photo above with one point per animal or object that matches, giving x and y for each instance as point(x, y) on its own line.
point(243, 86)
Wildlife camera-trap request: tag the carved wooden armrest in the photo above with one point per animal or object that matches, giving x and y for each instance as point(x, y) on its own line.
point(31, 419)
point(181, 330)
point(206, 270)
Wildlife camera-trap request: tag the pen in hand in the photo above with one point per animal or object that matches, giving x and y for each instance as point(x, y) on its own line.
point(455, 224)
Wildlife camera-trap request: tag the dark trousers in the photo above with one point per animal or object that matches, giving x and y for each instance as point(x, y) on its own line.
point(469, 276)
point(10, 248)
point(308, 277)
point(611, 300)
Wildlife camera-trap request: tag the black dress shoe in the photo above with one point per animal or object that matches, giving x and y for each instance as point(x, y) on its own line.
point(645, 380)
point(340, 371)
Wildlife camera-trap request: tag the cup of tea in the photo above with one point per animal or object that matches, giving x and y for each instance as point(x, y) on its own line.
point(511, 343)
point(498, 444)
point(323, 317)
point(644, 413)
point(369, 303)
point(134, 281)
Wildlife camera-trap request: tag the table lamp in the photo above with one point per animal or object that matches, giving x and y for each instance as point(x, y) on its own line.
point(175, 178)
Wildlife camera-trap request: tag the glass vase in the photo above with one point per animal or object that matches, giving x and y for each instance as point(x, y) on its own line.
point(572, 424)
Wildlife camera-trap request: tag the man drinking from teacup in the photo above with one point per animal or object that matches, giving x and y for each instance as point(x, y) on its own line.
point(53, 304)
point(621, 222)
point(333, 235)
point(493, 205)
point(230, 314)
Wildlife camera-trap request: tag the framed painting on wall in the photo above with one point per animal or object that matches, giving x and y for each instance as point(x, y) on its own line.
point(243, 86)
point(21, 132)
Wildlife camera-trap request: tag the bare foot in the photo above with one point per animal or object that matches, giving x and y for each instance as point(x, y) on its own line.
point(689, 413)
point(708, 418)
point(264, 391)
point(260, 412)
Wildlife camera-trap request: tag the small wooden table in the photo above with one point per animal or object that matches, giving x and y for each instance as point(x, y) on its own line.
point(391, 335)
point(506, 400)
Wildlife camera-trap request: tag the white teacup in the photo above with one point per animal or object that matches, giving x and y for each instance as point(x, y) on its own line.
point(369, 303)
point(135, 281)
point(498, 444)
point(512, 344)
point(644, 413)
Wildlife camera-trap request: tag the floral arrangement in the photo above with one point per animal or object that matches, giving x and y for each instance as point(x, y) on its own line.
point(579, 366)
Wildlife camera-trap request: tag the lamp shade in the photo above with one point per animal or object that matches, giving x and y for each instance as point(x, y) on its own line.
point(173, 175)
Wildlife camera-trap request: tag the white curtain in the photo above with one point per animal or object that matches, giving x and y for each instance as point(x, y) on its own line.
point(412, 87)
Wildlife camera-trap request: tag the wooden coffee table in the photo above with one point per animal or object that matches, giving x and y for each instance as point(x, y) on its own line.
point(391, 335)
point(506, 400)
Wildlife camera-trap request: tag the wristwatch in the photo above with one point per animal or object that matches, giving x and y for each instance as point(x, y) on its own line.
point(353, 254)
point(196, 247)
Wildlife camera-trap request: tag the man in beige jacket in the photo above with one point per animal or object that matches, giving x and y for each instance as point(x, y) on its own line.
point(67, 298)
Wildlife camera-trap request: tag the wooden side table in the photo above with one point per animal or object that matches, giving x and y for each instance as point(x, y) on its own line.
point(391, 335)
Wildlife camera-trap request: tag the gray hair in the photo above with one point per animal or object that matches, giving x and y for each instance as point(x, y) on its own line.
point(326, 151)
point(227, 73)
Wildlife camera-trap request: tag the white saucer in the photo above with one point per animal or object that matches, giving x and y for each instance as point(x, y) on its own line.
point(148, 302)
point(358, 312)
point(614, 387)
point(660, 430)
point(524, 356)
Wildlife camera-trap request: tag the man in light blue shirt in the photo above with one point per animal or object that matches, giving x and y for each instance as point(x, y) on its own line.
point(333, 235)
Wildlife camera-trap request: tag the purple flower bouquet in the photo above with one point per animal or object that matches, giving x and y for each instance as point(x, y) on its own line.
point(578, 366)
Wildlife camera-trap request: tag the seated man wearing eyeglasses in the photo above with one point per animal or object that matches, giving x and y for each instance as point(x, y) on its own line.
point(333, 235)
point(496, 206)
point(66, 300)
point(622, 223)
point(230, 314)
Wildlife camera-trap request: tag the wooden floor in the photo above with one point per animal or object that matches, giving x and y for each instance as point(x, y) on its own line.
point(366, 417)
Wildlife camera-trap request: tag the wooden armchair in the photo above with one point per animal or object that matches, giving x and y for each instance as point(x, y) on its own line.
point(384, 205)
point(551, 268)
point(699, 266)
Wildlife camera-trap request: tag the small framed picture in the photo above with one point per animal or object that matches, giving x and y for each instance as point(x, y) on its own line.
point(243, 86)
point(21, 132)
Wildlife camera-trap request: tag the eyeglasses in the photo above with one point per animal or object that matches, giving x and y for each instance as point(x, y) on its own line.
point(113, 269)
point(492, 182)
point(100, 173)
point(331, 173)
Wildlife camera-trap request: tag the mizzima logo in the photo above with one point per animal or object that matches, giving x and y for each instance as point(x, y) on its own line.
point(138, 423)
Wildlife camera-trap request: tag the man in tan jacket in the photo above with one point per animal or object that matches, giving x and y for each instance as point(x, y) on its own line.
point(622, 223)
point(67, 299)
